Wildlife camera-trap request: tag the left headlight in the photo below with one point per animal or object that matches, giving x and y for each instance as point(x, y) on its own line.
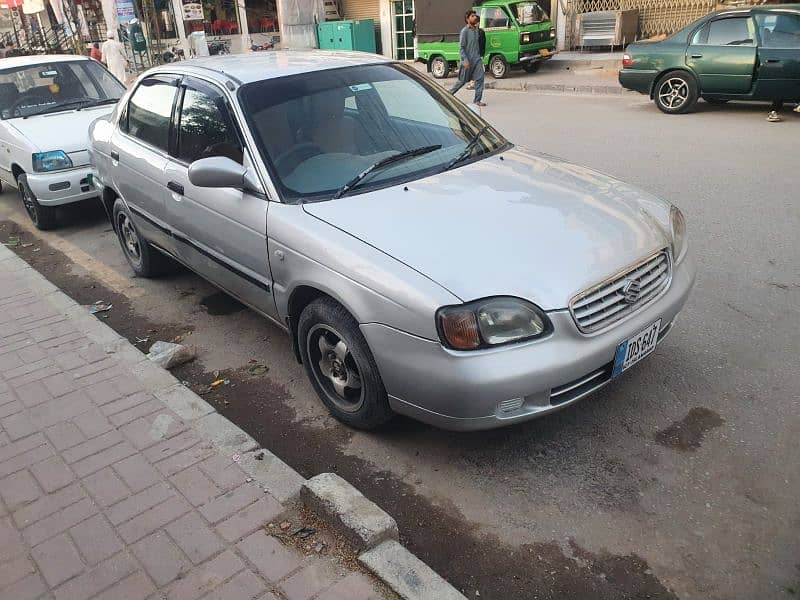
point(491, 322)
point(51, 161)
point(678, 225)
point(525, 37)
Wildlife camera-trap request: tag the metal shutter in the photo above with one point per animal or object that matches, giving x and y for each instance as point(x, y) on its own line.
point(363, 9)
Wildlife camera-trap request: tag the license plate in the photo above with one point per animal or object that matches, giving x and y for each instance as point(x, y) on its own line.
point(544, 52)
point(635, 348)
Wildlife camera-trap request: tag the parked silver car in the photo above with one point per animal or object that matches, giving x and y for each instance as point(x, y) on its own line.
point(421, 264)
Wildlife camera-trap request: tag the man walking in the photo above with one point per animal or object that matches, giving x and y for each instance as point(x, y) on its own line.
point(472, 43)
point(113, 54)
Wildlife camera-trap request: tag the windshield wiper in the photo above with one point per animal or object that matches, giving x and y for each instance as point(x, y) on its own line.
point(93, 103)
point(389, 160)
point(468, 148)
point(55, 108)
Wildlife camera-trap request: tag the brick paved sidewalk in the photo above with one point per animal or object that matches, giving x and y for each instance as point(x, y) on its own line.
point(107, 493)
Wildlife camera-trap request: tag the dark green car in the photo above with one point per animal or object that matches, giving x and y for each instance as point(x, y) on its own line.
point(739, 54)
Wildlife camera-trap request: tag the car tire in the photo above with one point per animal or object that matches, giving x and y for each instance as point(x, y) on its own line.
point(340, 365)
point(43, 217)
point(676, 93)
point(498, 66)
point(440, 68)
point(145, 260)
point(531, 66)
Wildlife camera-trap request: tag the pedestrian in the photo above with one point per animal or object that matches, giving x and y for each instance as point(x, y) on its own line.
point(113, 55)
point(95, 52)
point(472, 46)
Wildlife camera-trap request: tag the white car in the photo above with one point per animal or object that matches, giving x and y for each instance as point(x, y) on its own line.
point(46, 106)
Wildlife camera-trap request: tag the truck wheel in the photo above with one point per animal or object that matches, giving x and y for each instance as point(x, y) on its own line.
point(340, 365)
point(676, 93)
point(44, 217)
point(531, 66)
point(440, 68)
point(498, 66)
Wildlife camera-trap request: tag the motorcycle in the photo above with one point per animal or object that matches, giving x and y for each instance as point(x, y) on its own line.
point(173, 55)
point(261, 47)
point(218, 48)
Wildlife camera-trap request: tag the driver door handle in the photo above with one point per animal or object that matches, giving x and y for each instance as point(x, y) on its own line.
point(772, 61)
point(175, 187)
point(114, 155)
point(697, 56)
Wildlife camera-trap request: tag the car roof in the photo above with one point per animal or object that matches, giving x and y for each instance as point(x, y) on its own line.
point(37, 59)
point(270, 64)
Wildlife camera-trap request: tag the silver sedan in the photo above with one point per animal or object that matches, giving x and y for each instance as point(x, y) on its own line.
point(420, 262)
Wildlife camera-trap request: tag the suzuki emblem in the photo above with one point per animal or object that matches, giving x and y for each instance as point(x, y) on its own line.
point(631, 291)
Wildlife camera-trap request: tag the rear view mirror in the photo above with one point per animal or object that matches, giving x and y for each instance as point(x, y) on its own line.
point(220, 172)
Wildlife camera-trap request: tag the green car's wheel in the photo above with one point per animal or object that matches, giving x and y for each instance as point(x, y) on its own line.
point(498, 66)
point(676, 93)
point(440, 68)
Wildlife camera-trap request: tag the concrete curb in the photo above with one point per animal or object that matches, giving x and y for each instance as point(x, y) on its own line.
point(358, 519)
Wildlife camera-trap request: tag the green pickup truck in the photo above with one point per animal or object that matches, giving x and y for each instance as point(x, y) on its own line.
point(518, 34)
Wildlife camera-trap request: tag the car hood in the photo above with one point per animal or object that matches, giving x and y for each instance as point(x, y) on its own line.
point(517, 224)
point(67, 130)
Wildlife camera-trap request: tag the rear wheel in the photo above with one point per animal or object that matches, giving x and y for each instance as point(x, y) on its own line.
point(439, 67)
point(145, 260)
point(676, 93)
point(531, 66)
point(340, 365)
point(44, 217)
point(498, 67)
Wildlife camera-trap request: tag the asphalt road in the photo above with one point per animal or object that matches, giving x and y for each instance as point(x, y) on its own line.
point(680, 480)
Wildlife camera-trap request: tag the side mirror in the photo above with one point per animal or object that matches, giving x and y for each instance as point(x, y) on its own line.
point(222, 172)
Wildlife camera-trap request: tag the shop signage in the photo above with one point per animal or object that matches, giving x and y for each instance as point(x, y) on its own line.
point(192, 11)
point(31, 7)
point(125, 12)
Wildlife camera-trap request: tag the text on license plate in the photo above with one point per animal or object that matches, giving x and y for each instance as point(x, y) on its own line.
point(544, 52)
point(636, 348)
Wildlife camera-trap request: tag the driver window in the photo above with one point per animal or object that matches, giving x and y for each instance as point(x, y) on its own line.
point(779, 30)
point(494, 18)
point(206, 128)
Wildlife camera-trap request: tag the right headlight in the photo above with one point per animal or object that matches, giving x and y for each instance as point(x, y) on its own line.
point(678, 225)
point(491, 322)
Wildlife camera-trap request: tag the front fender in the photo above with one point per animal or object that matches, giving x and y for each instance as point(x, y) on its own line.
point(371, 285)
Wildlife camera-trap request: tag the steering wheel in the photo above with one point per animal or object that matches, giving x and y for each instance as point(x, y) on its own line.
point(300, 152)
point(28, 100)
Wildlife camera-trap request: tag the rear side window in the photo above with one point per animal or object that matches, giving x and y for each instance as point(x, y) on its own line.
point(149, 112)
point(206, 128)
point(779, 30)
point(494, 18)
point(726, 32)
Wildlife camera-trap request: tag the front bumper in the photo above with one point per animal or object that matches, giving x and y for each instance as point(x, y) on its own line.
point(63, 187)
point(472, 390)
point(536, 56)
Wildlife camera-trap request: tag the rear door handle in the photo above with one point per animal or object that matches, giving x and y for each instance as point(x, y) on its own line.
point(772, 61)
point(114, 155)
point(175, 187)
point(697, 56)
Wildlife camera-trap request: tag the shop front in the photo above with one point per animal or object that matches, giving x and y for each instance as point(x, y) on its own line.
point(394, 24)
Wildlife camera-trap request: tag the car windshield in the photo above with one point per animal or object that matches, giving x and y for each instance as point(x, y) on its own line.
point(320, 132)
point(52, 86)
point(528, 13)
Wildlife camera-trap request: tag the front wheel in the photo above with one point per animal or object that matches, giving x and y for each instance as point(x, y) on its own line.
point(498, 67)
point(340, 365)
point(43, 217)
point(145, 260)
point(531, 66)
point(676, 93)
point(440, 68)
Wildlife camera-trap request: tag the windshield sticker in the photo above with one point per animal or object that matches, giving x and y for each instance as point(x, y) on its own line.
point(45, 74)
point(361, 87)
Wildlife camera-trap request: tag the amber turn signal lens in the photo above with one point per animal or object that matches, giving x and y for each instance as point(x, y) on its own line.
point(460, 329)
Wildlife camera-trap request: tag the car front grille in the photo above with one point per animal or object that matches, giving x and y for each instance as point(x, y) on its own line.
point(621, 294)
